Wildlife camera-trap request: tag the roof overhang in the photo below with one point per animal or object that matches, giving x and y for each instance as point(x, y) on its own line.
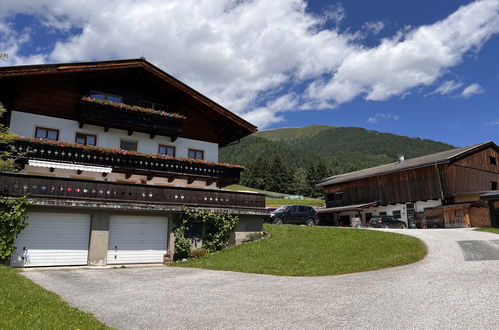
point(491, 195)
point(356, 207)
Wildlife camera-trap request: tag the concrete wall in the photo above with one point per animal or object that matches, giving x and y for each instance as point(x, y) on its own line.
point(247, 224)
point(99, 238)
point(24, 124)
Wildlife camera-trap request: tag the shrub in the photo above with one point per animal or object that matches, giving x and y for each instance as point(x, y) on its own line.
point(12, 222)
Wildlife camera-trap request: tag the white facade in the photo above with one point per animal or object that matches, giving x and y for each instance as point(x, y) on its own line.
point(419, 206)
point(24, 124)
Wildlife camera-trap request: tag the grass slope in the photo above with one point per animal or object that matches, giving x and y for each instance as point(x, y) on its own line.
point(489, 230)
point(25, 305)
point(277, 201)
point(310, 251)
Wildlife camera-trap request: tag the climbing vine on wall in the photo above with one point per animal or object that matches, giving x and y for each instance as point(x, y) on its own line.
point(12, 222)
point(217, 228)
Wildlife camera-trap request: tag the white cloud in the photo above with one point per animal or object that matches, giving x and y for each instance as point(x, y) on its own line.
point(447, 87)
point(382, 116)
point(492, 123)
point(247, 54)
point(471, 90)
point(374, 27)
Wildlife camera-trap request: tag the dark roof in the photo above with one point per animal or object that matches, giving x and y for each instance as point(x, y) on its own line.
point(429, 160)
point(58, 68)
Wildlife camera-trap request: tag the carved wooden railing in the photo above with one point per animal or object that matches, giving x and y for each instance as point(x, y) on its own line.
point(129, 163)
point(41, 187)
point(111, 117)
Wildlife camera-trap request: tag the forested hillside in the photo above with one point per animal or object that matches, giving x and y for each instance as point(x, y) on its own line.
point(313, 152)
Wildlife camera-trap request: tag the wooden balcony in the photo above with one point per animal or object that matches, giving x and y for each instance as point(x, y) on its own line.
point(66, 192)
point(112, 116)
point(131, 163)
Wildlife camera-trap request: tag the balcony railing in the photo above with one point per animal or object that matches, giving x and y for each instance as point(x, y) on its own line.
point(111, 194)
point(130, 163)
point(108, 116)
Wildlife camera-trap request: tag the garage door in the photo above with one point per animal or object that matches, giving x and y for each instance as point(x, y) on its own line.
point(134, 239)
point(53, 239)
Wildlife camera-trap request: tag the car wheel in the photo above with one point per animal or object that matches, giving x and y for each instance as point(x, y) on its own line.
point(310, 222)
point(402, 226)
point(278, 221)
point(386, 227)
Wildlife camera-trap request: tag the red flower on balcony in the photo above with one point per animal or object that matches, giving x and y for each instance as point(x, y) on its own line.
point(132, 107)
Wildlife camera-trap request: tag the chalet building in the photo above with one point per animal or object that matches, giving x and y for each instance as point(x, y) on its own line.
point(454, 188)
point(110, 152)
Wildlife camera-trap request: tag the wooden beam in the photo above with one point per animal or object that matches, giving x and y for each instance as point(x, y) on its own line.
point(152, 135)
point(130, 132)
point(104, 174)
point(171, 178)
point(209, 182)
point(80, 124)
point(190, 180)
point(79, 172)
point(106, 129)
point(173, 138)
point(149, 177)
point(52, 169)
point(128, 175)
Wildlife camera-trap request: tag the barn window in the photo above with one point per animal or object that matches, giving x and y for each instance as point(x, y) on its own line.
point(493, 185)
point(47, 133)
point(128, 145)
point(397, 214)
point(493, 161)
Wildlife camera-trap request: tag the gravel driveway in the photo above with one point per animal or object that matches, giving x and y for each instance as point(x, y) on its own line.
point(455, 287)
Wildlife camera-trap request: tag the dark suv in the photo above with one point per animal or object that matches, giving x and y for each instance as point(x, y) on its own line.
point(294, 214)
point(386, 221)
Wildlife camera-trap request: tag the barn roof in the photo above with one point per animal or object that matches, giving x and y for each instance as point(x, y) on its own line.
point(423, 161)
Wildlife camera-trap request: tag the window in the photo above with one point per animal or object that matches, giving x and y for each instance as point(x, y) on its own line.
point(458, 213)
point(493, 185)
point(47, 133)
point(196, 154)
point(397, 214)
point(153, 105)
point(338, 196)
point(105, 96)
point(128, 145)
point(166, 150)
point(86, 139)
point(493, 161)
point(382, 213)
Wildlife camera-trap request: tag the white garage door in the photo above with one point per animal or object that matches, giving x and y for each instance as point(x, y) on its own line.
point(53, 239)
point(135, 239)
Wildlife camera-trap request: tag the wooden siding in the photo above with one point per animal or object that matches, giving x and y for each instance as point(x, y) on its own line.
point(401, 187)
point(60, 95)
point(473, 173)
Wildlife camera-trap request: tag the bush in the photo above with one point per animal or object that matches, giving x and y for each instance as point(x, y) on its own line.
point(12, 222)
point(217, 228)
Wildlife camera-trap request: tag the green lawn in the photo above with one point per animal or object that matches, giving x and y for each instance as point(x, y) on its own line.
point(489, 229)
point(310, 251)
point(277, 201)
point(25, 305)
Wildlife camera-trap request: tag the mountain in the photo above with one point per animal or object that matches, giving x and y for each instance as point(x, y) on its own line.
point(341, 149)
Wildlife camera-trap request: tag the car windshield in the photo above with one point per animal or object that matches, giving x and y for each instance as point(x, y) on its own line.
point(282, 209)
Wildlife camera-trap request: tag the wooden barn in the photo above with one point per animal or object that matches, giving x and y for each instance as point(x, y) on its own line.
point(442, 189)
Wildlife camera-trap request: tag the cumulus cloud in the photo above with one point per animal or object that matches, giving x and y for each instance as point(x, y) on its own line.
point(471, 90)
point(447, 87)
point(255, 57)
point(382, 116)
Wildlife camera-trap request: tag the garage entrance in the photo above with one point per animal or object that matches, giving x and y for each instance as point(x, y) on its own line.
point(136, 239)
point(53, 239)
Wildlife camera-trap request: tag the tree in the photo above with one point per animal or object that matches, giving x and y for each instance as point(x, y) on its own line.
point(279, 177)
point(300, 184)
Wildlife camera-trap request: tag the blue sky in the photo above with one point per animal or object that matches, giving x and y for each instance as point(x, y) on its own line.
point(418, 68)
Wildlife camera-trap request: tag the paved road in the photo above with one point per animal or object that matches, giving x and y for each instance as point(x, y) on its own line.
point(455, 287)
